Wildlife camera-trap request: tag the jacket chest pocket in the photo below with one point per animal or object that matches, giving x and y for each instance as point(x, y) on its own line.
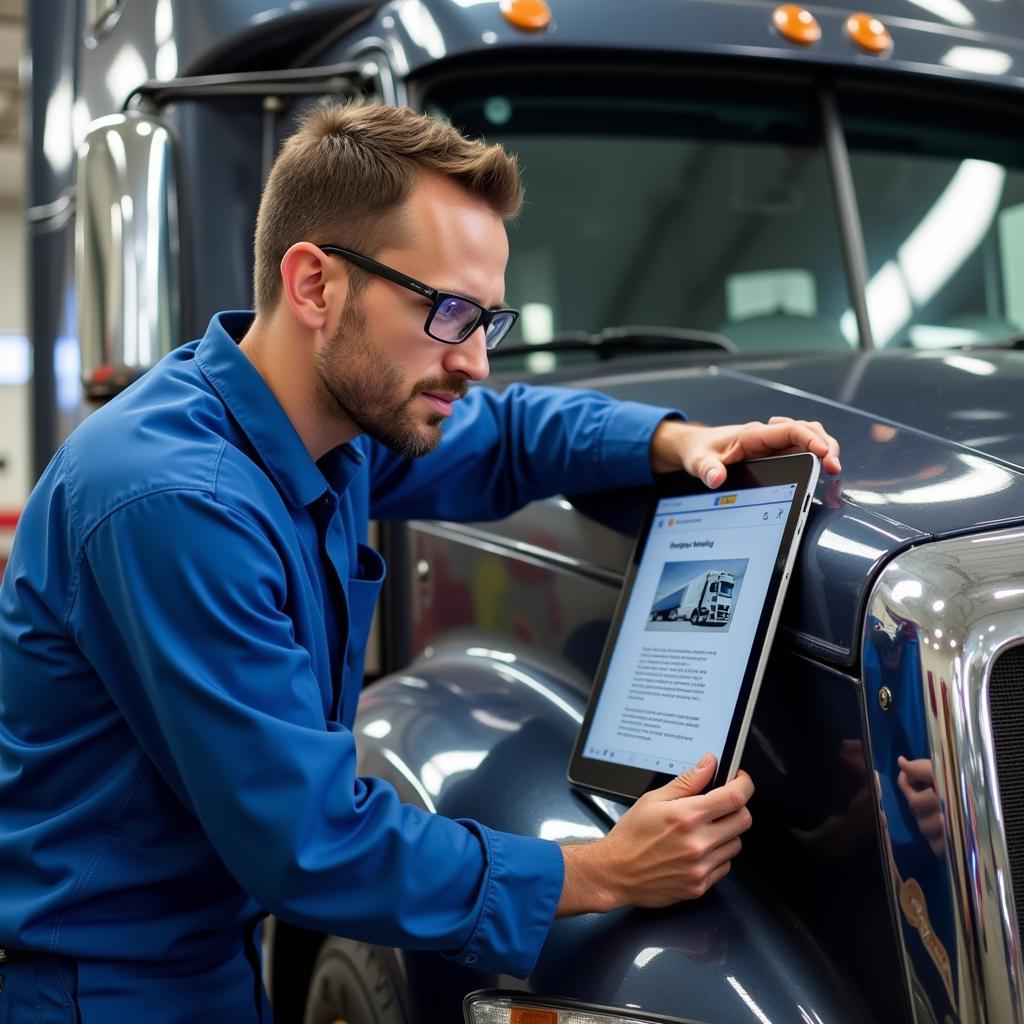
point(363, 590)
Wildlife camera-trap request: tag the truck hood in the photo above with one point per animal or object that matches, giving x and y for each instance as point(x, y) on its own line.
point(932, 446)
point(971, 398)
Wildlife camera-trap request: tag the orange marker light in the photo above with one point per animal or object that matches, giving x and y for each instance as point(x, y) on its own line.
point(868, 33)
point(796, 24)
point(529, 1015)
point(529, 14)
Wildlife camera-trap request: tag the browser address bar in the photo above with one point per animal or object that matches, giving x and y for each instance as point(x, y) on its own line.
point(736, 518)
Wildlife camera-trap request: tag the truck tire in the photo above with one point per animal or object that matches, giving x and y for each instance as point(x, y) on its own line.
point(673, 615)
point(694, 617)
point(353, 983)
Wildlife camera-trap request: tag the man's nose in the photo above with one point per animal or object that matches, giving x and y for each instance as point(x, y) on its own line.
point(469, 357)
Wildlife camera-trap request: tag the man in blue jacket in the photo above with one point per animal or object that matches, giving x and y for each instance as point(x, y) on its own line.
point(186, 607)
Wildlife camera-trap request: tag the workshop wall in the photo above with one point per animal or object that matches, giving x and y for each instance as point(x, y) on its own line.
point(14, 370)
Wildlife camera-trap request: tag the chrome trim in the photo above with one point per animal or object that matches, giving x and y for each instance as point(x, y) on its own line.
point(335, 79)
point(63, 206)
point(503, 546)
point(391, 90)
point(127, 250)
point(100, 17)
point(938, 617)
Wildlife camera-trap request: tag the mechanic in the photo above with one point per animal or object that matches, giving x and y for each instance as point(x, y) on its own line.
point(185, 611)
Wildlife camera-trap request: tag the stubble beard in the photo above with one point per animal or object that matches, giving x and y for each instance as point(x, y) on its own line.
point(359, 383)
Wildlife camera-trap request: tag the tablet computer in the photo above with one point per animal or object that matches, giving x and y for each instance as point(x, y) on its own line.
point(691, 634)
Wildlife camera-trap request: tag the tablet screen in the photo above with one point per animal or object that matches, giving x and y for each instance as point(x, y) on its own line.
point(684, 640)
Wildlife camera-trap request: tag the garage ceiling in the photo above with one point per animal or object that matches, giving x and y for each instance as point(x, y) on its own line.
point(12, 160)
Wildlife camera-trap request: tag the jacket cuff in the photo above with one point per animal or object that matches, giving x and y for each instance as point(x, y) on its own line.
point(521, 892)
point(625, 446)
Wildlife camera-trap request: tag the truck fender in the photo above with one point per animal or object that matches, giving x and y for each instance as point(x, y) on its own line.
point(475, 732)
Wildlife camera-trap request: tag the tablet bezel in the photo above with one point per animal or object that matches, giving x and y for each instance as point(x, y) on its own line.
point(624, 781)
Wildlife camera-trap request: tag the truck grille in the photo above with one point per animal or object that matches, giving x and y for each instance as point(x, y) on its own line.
point(1006, 706)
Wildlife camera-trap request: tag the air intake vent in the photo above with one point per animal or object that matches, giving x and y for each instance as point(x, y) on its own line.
point(1006, 705)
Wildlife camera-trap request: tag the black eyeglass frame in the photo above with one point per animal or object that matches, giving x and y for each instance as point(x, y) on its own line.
point(485, 318)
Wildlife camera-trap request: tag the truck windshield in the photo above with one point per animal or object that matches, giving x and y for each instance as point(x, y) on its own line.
point(668, 202)
point(725, 589)
point(940, 190)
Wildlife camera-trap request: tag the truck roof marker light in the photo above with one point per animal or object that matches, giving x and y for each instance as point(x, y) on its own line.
point(531, 15)
point(796, 24)
point(867, 32)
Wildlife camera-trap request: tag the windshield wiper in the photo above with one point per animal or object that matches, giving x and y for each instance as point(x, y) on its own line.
point(613, 340)
point(1015, 341)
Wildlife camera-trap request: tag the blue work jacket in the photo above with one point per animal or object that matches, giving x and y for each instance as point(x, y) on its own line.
point(183, 622)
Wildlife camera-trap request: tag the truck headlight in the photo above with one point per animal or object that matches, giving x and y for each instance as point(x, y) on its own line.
point(492, 1007)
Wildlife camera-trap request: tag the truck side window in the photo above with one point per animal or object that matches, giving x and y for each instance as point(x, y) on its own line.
point(939, 192)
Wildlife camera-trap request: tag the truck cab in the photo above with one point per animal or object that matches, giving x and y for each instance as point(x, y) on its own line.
point(736, 209)
point(707, 601)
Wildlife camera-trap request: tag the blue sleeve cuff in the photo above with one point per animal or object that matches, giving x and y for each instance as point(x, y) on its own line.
point(625, 448)
point(521, 893)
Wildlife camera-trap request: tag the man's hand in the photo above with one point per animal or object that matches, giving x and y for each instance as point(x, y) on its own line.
point(704, 452)
point(917, 784)
point(672, 845)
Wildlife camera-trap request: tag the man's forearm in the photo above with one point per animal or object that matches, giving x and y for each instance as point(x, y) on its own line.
point(585, 889)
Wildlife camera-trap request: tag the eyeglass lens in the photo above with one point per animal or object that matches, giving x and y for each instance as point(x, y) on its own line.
point(499, 327)
point(454, 318)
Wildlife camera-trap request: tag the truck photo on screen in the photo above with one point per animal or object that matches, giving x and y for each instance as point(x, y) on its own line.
point(705, 597)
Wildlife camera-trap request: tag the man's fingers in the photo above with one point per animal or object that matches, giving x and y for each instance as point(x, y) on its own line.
point(919, 770)
point(784, 435)
point(690, 783)
point(911, 793)
point(674, 845)
point(713, 473)
point(904, 784)
point(923, 803)
point(780, 435)
point(719, 873)
point(813, 438)
point(724, 852)
point(728, 829)
point(726, 799)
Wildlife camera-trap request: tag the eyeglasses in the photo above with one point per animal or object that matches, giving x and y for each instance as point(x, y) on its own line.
point(452, 317)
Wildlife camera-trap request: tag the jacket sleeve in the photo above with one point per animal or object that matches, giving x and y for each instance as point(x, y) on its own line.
point(193, 602)
point(500, 451)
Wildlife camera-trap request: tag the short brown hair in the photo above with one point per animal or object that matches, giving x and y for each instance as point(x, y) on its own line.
point(348, 166)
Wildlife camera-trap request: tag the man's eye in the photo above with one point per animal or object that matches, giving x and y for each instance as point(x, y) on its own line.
point(451, 309)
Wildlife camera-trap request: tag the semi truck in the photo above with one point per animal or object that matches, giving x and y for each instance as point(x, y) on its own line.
point(734, 208)
point(705, 600)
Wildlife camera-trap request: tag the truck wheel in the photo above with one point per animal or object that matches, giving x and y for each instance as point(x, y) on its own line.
point(673, 615)
point(694, 617)
point(353, 983)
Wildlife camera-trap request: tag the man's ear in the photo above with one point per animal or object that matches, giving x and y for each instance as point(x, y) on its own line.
point(311, 283)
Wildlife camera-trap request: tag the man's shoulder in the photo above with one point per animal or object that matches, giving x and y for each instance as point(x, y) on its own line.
point(167, 432)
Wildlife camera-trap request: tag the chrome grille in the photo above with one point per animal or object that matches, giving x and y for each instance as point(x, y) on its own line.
point(1006, 706)
point(944, 608)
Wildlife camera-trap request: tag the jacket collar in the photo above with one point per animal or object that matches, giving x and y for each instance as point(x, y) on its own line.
point(253, 405)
